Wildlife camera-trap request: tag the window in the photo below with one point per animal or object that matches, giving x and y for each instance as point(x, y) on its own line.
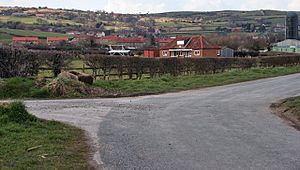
point(165, 53)
point(219, 53)
point(197, 52)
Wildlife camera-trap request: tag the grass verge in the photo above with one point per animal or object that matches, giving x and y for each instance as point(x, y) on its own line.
point(173, 84)
point(30, 143)
point(293, 104)
point(19, 88)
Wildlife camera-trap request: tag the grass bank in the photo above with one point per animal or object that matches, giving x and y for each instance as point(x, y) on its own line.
point(30, 143)
point(293, 105)
point(173, 84)
point(19, 88)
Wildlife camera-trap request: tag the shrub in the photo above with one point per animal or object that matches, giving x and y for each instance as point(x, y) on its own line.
point(15, 112)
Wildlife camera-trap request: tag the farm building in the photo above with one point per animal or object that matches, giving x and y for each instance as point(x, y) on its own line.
point(40, 15)
point(136, 42)
point(291, 44)
point(227, 52)
point(196, 46)
point(288, 46)
point(26, 40)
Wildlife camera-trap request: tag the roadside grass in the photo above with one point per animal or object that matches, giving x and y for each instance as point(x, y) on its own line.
point(30, 143)
point(20, 88)
point(294, 105)
point(173, 84)
point(17, 88)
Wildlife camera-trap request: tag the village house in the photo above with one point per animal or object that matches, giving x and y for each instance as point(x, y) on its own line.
point(151, 53)
point(57, 40)
point(40, 15)
point(196, 46)
point(26, 40)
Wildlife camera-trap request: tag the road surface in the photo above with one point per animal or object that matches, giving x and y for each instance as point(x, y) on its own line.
point(227, 127)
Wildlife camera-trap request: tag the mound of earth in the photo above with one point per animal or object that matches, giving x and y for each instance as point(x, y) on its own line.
point(68, 85)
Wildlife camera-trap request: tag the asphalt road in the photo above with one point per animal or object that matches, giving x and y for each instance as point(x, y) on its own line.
point(228, 127)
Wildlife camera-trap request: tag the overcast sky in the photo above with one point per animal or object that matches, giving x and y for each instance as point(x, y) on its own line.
point(153, 6)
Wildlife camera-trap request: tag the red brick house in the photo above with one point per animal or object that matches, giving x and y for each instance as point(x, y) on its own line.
point(196, 46)
point(26, 40)
point(40, 15)
point(151, 53)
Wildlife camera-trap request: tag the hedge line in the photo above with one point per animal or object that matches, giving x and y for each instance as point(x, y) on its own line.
point(179, 66)
point(23, 62)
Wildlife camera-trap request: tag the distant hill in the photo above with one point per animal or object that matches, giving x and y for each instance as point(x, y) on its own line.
point(161, 24)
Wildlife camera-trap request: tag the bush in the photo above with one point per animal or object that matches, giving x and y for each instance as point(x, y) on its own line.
point(15, 112)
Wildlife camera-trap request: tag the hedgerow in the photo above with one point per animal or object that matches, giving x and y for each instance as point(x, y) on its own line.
point(23, 63)
point(179, 66)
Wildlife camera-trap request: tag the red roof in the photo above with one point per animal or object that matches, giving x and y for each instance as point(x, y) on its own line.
point(164, 40)
point(57, 38)
point(25, 39)
point(196, 42)
point(40, 15)
point(132, 40)
point(109, 38)
point(118, 39)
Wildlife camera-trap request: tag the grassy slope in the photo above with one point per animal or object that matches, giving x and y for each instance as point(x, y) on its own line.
point(171, 84)
point(32, 33)
point(293, 104)
point(61, 146)
point(17, 88)
point(34, 20)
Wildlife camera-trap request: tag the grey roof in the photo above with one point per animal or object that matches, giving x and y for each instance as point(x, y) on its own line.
point(289, 43)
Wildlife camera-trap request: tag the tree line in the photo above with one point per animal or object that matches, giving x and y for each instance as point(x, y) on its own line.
point(23, 62)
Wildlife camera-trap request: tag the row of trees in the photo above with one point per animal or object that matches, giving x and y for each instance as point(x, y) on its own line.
point(23, 62)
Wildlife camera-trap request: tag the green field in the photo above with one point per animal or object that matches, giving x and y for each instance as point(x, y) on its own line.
point(30, 143)
point(36, 20)
point(16, 32)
